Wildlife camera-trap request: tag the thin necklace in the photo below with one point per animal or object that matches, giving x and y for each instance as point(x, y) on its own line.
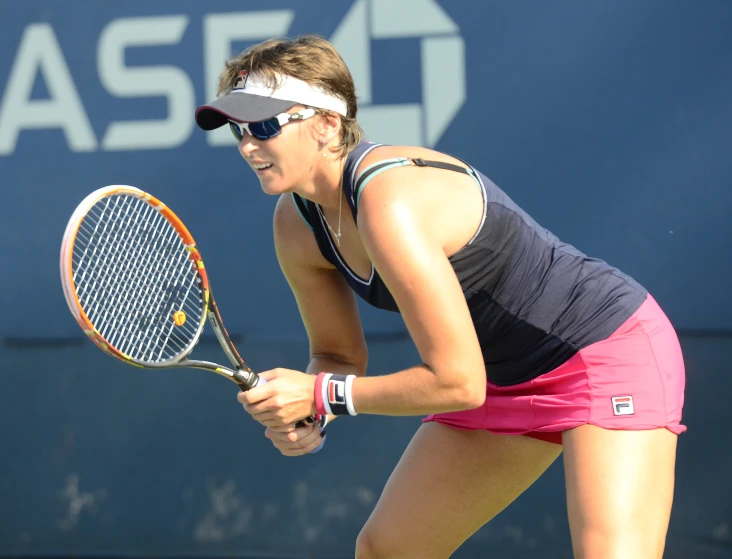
point(340, 206)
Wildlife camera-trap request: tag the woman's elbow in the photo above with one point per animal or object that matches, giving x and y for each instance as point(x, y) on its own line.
point(473, 396)
point(468, 394)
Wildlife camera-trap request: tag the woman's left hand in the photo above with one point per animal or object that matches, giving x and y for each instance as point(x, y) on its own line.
point(286, 399)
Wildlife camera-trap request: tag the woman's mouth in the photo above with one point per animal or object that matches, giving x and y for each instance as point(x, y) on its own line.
point(261, 167)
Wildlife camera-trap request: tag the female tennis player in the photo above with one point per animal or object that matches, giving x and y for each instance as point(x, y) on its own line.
point(528, 346)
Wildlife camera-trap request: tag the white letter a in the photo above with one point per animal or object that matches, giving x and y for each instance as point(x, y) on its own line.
point(39, 51)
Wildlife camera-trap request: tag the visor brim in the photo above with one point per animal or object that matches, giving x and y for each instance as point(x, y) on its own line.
point(241, 107)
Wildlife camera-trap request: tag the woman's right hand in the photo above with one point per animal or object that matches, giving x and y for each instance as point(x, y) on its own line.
point(298, 440)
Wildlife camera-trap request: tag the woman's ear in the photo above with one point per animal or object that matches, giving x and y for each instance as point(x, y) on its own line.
point(329, 126)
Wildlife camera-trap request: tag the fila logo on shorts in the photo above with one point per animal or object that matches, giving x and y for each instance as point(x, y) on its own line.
point(623, 405)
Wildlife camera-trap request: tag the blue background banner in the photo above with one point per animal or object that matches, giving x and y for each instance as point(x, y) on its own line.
point(609, 122)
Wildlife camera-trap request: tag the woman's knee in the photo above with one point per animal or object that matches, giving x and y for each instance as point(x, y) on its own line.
point(598, 543)
point(368, 545)
point(374, 543)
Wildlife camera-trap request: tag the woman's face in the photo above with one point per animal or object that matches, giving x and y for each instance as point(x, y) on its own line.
point(285, 161)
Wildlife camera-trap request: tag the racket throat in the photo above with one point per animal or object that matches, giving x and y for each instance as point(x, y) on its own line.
point(214, 318)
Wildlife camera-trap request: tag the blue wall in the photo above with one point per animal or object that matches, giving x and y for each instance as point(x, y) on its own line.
point(610, 122)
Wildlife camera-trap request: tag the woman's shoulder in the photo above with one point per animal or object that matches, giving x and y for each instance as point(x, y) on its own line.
point(434, 186)
point(374, 154)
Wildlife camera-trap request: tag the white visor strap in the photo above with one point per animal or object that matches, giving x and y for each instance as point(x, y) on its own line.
point(293, 89)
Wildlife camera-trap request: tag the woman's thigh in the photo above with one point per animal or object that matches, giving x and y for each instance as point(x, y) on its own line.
point(619, 491)
point(448, 484)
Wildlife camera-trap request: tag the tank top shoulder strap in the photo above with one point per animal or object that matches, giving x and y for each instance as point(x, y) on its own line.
point(303, 208)
point(380, 166)
point(350, 169)
point(308, 211)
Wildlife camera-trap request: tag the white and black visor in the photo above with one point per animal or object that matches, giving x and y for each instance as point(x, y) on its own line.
point(252, 100)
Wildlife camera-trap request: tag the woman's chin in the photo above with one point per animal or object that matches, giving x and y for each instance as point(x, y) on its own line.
point(272, 187)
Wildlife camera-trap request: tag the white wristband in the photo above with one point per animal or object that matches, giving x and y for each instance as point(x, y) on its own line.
point(349, 397)
point(335, 391)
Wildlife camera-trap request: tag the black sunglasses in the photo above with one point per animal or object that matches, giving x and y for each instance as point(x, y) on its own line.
point(266, 129)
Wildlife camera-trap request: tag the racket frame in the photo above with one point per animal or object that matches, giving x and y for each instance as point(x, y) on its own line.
point(239, 373)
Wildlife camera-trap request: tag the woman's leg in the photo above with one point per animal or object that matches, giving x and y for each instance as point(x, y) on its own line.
point(620, 488)
point(448, 484)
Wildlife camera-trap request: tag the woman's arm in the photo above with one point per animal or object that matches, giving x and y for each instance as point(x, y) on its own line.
point(397, 224)
point(325, 301)
point(405, 235)
point(330, 315)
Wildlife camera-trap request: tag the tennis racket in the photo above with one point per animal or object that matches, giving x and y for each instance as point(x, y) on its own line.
point(134, 280)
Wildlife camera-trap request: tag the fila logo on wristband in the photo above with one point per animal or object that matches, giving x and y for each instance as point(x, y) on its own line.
point(334, 391)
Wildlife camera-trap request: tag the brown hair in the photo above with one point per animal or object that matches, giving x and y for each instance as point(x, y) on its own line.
point(309, 58)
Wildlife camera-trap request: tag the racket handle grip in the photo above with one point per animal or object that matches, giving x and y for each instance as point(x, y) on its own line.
point(247, 379)
point(262, 382)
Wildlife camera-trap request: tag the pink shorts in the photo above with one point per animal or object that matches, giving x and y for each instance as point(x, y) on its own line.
point(632, 380)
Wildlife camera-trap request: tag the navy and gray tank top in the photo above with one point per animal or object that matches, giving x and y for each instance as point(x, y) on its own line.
point(534, 300)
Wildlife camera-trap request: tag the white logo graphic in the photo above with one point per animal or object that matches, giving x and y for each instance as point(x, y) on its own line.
point(39, 54)
point(442, 67)
point(623, 405)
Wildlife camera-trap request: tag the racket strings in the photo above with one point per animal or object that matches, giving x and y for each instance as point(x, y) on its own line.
point(108, 257)
point(143, 243)
point(148, 243)
point(132, 272)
